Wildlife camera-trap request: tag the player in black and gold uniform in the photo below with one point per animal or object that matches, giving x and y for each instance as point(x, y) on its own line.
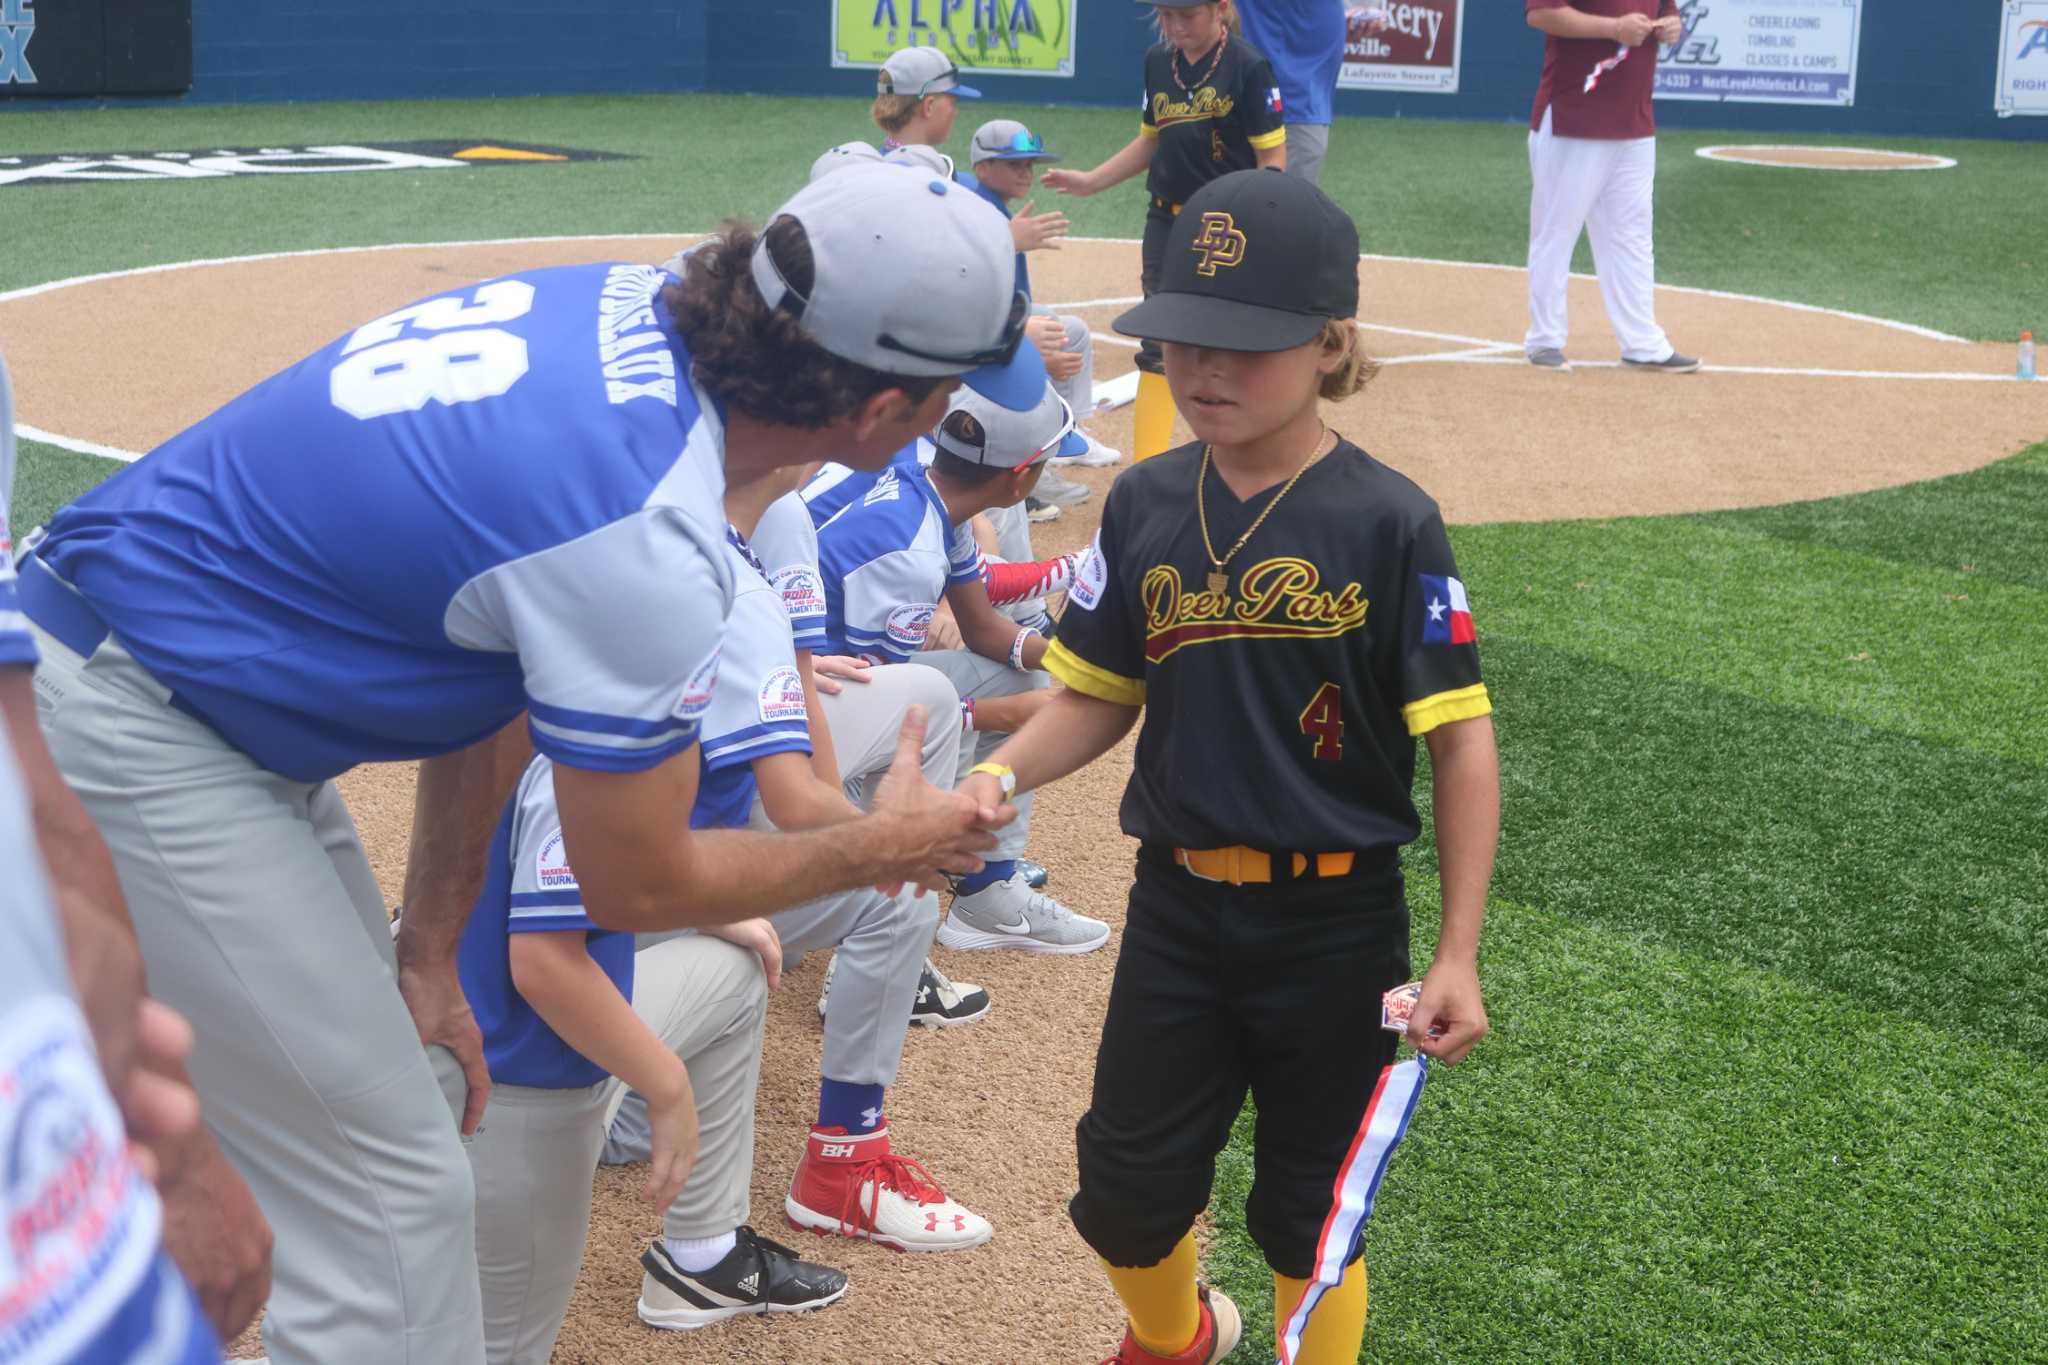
point(1286, 613)
point(1212, 106)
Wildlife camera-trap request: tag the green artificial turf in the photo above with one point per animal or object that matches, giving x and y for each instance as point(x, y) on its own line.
point(1935, 248)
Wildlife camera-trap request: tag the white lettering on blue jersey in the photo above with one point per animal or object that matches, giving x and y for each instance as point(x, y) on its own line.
point(368, 560)
point(757, 708)
point(786, 544)
point(888, 558)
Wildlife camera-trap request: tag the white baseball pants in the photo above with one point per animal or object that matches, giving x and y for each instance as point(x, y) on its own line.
point(1603, 187)
point(260, 921)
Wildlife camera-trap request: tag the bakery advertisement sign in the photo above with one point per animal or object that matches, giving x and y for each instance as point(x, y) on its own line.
point(1403, 45)
point(2023, 59)
point(1763, 52)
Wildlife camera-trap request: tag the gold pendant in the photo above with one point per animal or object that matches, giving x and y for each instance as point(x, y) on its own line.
point(1219, 582)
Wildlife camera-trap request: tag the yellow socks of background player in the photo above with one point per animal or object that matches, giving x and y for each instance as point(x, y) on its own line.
point(1336, 1328)
point(1160, 1299)
point(1153, 421)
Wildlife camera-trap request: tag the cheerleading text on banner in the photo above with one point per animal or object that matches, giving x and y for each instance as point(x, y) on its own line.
point(1763, 52)
point(994, 37)
point(1417, 50)
point(2023, 59)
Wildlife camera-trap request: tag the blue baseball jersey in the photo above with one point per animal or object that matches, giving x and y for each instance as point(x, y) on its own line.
point(1002, 206)
point(786, 545)
point(503, 498)
point(757, 707)
point(83, 1276)
point(529, 887)
point(17, 646)
point(888, 557)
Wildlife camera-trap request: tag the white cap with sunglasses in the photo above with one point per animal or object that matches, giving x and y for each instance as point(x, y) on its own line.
point(1005, 438)
point(921, 71)
point(1005, 139)
point(912, 275)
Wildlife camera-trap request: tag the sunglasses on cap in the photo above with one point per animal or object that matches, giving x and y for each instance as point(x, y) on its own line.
point(951, 73)
point(1004, 350)
point(1022, 141)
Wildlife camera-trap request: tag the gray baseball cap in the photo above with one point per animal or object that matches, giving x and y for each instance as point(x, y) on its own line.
point(917, 156)
point(844, 155)
point(1005, 438)
point(921, 71)
point(1005, 139)
point(913, 276)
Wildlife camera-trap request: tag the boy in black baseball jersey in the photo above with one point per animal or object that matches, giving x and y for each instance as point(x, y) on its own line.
point(1286, 612)
point(1212, 106)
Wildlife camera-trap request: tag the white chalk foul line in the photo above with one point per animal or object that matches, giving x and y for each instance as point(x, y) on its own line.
point(1955, 376)
point(1907, 161)
point(51, 438)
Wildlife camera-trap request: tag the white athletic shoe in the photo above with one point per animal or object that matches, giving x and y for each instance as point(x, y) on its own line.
point(1096, 456)
point(857, 1187)
point(1059, 490)
point(1009, 914)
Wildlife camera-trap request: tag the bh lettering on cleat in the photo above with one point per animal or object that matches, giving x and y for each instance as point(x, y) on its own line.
point(835, 1149)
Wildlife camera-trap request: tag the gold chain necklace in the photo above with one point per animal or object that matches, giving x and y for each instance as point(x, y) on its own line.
point(1219, 579)
point(1174, 60)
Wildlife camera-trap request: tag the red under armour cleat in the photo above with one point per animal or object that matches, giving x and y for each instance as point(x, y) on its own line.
point(856, 1187)
point(1216, 1338)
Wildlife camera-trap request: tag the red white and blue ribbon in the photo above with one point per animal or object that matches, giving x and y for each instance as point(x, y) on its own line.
point(1358, 1182)
point(1602, 68)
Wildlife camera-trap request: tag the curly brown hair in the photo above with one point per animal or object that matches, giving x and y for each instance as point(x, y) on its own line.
point(759, 359)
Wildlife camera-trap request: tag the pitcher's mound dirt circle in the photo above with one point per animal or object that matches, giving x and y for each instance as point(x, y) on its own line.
point(1827, 158)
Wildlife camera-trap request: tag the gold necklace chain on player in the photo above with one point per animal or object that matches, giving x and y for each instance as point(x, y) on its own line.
point(1173, 66)
point(1219, 579)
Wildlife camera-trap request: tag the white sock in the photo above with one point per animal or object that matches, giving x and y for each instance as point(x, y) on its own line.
point(699, 1254)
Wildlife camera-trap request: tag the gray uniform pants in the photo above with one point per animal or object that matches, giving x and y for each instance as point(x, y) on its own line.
point(1307, 145)
point(535, 1153)
point(260, 921)
point(1079, 391)
point(865, 719)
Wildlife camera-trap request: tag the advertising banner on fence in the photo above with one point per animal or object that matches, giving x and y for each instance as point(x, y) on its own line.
point(1417, 50)
point(1000, 37)
point(2023, 59)
point(1763, 52)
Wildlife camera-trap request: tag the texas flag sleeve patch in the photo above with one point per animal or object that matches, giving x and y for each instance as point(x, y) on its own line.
point(1446, 616)
point(1273, 99)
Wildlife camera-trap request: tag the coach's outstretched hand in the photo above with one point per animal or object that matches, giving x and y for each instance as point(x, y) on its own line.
point(930, 832)
point(1450, 1016)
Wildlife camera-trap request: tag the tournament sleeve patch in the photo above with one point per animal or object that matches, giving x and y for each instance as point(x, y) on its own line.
point(696, 695)
point(908, 625)
point(1446, 614)
point(1091, 576)
point(782, 697)
point(802, 590)
point(551, 870)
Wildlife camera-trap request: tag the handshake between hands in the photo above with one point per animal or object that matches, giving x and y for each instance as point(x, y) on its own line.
point(927, 832)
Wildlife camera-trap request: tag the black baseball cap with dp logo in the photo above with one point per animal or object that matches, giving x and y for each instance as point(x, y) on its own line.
point(1257, 261)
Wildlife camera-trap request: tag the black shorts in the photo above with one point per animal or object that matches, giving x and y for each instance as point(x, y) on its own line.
point(1220, 990)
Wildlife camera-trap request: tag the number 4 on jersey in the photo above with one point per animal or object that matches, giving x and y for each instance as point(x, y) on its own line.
point(1323, 721)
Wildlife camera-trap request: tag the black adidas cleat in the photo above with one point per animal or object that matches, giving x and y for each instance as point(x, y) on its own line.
point(756, 1276)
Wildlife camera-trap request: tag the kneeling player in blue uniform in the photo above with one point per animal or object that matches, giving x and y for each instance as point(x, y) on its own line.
point(889, 557)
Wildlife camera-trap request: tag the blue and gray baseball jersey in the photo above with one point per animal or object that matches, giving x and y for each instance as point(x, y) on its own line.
point(786, 544)
point(757, 708)
point(530, 888)
point(503, 498)
point(17, 646)
point(888, 557)
point(83, 1276)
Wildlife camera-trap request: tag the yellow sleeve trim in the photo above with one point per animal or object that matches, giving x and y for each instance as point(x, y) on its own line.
point(1266, 142)
point(1085, 678)
point(1146, 130)
point(1445, 707)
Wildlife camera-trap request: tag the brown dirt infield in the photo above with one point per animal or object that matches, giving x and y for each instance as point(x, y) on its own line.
point(990, 1107)
point(1828, 158)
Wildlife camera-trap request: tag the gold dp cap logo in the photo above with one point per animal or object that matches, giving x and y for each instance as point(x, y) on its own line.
point(1218, 243)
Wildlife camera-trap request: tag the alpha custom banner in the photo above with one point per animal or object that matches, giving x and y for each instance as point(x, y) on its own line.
point(1419, 49)
point(218, 163)
point(2023, 59)
point(1001, 37)
point(1763, 52)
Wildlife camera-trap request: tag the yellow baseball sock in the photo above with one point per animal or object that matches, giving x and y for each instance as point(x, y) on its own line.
point(1153, 421)
point(1160, 1299)
point(1336, 1329)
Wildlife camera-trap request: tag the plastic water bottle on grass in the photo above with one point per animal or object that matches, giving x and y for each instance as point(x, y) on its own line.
point(2026, 366)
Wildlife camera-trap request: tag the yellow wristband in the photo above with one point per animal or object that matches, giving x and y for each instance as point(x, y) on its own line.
point(1005, 778)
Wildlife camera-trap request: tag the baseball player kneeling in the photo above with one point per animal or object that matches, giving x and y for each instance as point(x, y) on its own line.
point(889, 557)
point(758, 768)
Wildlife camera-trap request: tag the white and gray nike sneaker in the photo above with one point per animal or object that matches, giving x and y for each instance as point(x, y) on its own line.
point(1009, 914)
